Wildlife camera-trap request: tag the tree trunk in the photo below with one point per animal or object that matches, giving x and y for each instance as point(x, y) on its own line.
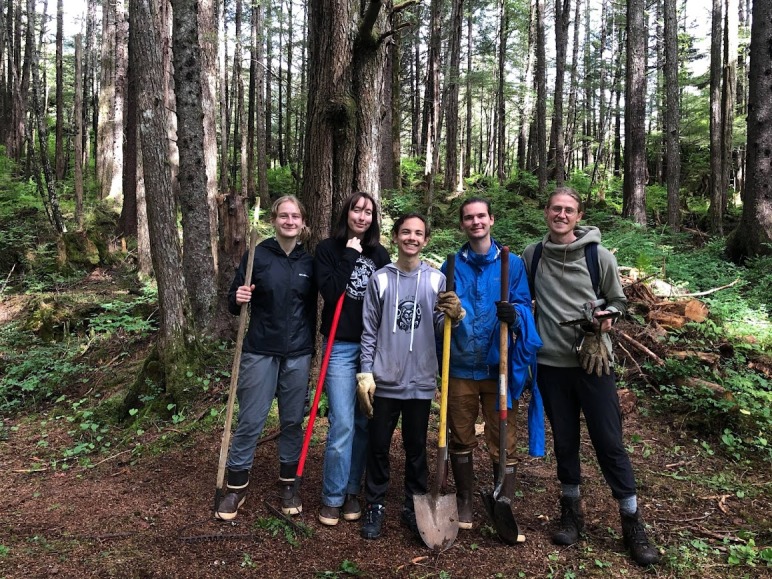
point(728, 96)
point(59, 145)
point(105, 132)
point(634, 192)
point(78, 118)
point(526, 106)
point(753, 235)
point(541, 98)
point(716, 212)
point(207, 34)
point(127, 222)
point(468, 96)
point(452, 174)
point(261, 152)
point(432, 101)
point(197, 249)
point(672, 114)
point(224, 114)
point(501, 111)
point(557, 142)
point(571, 115)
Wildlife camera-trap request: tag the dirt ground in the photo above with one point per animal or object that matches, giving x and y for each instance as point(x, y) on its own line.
point(151, 516)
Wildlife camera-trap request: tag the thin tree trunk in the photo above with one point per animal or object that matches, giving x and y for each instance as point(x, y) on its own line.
point(526, 106)
point(672, 114)
point(127, 222)
point(541, 98)
point(468, 95)
point(500, 124)
point(571, 114)
point(452, 175)
point(224, 114)
point(78, 117)
point(557, 142)
point(716, 211)
point(59, 160)
point(728, 96)
point(208, 28)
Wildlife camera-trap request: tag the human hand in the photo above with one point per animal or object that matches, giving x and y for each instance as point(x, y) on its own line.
point(244, 294)
point(449, 304)
point(355, 243)
point(594, 356)
point(603, 325)
point(507, 314)
point(366, 392)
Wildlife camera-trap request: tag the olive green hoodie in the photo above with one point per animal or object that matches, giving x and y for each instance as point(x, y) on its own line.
point(562, 285)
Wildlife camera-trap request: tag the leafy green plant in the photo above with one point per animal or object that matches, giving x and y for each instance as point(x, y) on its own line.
point(276, 526)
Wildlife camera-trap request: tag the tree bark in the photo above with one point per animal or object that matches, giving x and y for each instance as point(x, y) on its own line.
point(753, 235)
point(78, 118)
point(501, 110)
point(716, 211)
point(541, 98)
point(452, 175)
point(672, 114)
point(634, 192)
point(59, 160)
point(728, 92)
point(557, 142)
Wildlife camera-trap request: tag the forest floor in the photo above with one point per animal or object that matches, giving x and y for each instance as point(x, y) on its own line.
point(142, 508)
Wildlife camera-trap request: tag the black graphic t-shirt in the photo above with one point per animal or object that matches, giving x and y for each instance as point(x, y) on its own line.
point(338, 269)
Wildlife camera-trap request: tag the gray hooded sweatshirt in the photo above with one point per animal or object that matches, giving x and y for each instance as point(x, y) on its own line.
point(400, 325)
point(563, 285)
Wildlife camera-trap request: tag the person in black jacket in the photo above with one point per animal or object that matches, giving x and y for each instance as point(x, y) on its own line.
point(344, 263)
point(276, 356)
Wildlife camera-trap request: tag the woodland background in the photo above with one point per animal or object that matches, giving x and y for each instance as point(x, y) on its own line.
point(135, 137)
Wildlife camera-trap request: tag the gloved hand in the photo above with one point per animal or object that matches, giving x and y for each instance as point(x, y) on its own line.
point(507, 314)
point(594, 356)
point(450, 305)
point(366, 392)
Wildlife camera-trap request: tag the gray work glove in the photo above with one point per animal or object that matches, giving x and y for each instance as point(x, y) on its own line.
point(449, 304)
point(366, 392)
point(594, 356)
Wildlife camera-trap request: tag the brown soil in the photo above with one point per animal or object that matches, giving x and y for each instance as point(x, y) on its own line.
point(147, 513)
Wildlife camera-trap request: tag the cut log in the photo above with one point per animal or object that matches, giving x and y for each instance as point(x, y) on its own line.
point(707, 357)
point(719, 392)
point(668, 319)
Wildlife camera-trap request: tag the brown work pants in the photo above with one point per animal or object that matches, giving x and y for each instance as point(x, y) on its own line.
point(464, 400)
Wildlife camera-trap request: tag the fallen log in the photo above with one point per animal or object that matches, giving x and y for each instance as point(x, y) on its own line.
point(640, 347)
point(707, 357)
point(719, 392)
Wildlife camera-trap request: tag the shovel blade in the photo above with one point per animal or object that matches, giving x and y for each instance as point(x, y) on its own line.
point(505, 523)
point(437, 519)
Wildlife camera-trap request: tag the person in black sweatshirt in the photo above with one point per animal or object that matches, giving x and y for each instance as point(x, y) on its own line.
point(276, 356)
point(343, 264)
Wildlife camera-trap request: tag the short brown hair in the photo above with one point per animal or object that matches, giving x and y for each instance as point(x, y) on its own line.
point(569, 192)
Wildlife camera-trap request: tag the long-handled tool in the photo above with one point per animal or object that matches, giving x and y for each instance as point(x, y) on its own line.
point(318, 394)
point(226, 437)
point(437, 515)
point(498, 507)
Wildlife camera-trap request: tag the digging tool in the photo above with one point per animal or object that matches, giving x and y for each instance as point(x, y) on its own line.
point(226, 437)
point(498, 507)
point(437, 515)
point(318, 394)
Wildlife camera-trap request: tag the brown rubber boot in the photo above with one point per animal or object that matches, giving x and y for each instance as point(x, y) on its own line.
point(634, 535)
point(463, 474)
point(291, 504)
point(235, 495)
point(571, 521)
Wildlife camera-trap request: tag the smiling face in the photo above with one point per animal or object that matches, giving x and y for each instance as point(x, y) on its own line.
point(476, 221)
point(360, 217)
point(562, 215)
point(411, 237)
point(289, 221)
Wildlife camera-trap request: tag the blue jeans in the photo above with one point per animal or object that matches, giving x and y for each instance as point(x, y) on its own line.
point(260, 379)
point(346, 451)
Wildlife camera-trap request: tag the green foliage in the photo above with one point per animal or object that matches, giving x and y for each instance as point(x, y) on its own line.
point(347, 568)
point(276, 526)
point(281, 182)
point(129, 316)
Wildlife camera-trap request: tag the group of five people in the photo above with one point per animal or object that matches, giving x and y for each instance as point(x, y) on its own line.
point(383, 362)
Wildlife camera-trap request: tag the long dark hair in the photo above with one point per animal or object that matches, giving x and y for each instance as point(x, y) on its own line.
point(402, 218)
point(372, 236)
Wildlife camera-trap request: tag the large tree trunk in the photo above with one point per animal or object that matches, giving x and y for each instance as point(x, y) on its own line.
point(634, 192)
point(557, 142)
point(207, 34)
point(175, 332)
point(197, 249)
point(753, 235)
point(672, 113)
point(716, 211)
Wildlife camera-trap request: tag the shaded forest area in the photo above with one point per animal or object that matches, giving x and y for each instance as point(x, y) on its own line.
point(136, 136)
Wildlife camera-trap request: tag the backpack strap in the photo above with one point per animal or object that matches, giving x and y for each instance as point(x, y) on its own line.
point(590, 256)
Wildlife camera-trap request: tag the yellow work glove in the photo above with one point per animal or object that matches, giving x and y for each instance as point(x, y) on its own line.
point(366, 392)
point(449, 304)
point(594, 356)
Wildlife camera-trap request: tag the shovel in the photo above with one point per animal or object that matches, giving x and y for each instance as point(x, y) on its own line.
point(499, 508)
point(318, 394)
point(226, 437)
point(437, 515)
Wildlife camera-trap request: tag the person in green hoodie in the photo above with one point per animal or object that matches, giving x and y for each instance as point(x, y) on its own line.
point(570, 380)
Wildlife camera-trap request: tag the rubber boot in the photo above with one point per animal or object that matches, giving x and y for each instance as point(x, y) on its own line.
point(291, 504)
point(463, 474)
point(235, 495)
point(634, 535)
point(571, 521)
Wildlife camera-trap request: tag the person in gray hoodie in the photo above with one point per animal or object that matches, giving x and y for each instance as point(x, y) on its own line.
point(402, 316)
point(562, 281)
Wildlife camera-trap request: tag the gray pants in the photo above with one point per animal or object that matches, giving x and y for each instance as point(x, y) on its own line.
point(261, 378)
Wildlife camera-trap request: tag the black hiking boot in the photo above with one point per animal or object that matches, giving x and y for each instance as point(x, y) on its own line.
point(374, 515)
point(235, 495)
point(463, 474)
point(634, 535)
point(571, 521)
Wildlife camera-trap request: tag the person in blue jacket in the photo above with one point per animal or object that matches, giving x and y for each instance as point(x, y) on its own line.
point(473, 380)
point(276, 356)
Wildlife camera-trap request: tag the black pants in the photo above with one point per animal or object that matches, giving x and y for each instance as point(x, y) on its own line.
point(415, 421)
point(566, 391)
